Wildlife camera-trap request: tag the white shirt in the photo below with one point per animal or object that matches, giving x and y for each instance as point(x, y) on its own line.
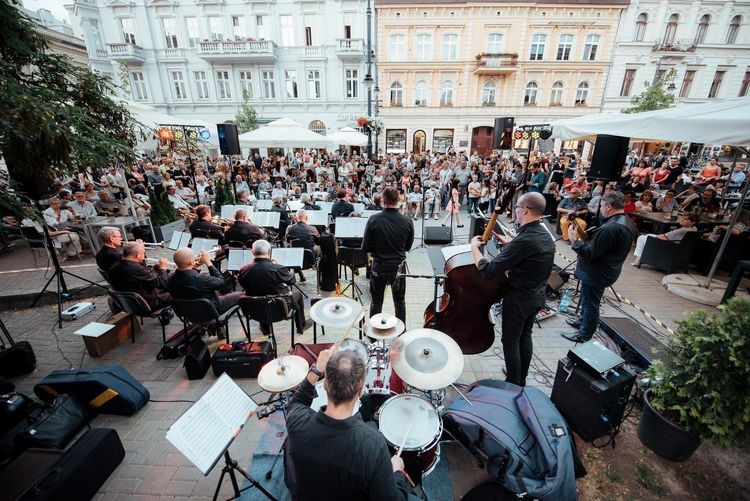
point(55, 220)
point(177, 202)
point(86, 210)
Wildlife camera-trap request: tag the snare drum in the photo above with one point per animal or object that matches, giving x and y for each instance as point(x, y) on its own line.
point(357, 346)
point(421, 449)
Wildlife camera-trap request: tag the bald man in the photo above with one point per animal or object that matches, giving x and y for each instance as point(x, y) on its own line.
point(527, 262)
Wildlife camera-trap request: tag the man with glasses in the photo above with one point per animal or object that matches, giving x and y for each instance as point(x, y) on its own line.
point(527, 261)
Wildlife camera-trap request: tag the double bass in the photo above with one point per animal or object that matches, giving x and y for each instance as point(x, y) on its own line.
point(463, 309)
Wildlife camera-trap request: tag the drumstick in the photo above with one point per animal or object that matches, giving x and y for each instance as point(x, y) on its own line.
point(406, 435)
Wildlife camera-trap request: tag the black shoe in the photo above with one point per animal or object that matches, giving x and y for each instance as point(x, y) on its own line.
point(302, 279)
point(575, 337)
point(573, 322)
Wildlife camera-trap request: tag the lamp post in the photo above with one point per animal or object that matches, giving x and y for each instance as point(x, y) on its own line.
point(368, 81)
point(377, 113)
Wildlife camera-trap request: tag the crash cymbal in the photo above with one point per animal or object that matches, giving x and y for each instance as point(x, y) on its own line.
point(283, 374)
point(427, 359)
point(384, 326)
point(336, 312)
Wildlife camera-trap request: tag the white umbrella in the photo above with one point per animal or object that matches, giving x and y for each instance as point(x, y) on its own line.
point(347, 136)
point(283, 133)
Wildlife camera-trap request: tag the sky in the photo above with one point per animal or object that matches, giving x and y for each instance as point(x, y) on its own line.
point(54, 6)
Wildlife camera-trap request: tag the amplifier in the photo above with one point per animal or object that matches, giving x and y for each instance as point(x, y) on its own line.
point(440, 235)
point(593, 405)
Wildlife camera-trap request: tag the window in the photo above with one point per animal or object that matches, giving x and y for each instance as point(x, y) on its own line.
point(582, 94)
point(246, 84)
point(397, 48)
point(262, 30)
point(424, 48)
point(193, 31)
point(495, 43)
point(178, 84)
point(201, 84)
point(659, 76)
point(317, 126)
point(745, 84)
point(446, 93)
point(96, 34)
point(350, 77)
point(170, 32)
point(128, 29)
point(718, 77)
point(640, 28)
point(627, 83)
point(397, 94)
point(420, 94)
point(488, 94)
point(734, 28)
point(290, 84)
point(308, 36)
point(700, 34)
point(347, 31)
point(556, 97)
point(139, 86)
point(287, 30)
point(450, 48)
point(592, 45)
point(564, 47)
point(529, 96)
point(269, 85)
point(538, 43)
point(687, 82)
point(313, 84)
point(395, 140)
point(215, 28)
point(238, 28)
point(671, 30)
point(441, 139)
point(223, 85)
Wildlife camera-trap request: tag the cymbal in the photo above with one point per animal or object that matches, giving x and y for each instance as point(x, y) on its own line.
point(384, 326)
point(336, 312)
point(283, 374)
point(427, 359)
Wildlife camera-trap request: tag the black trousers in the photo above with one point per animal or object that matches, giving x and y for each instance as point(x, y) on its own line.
point(518, 320)
point(382, 275)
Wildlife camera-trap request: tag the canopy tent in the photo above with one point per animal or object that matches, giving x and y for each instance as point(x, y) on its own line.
point(715, 122)
point(283, 133)
point(347, 136)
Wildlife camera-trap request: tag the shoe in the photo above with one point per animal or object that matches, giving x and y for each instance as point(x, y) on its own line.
point(575, 337)
point(459, 226)
point(436, 218)
point(636, 262)
point(302, 279)
point(443, 224)
point(573, 322)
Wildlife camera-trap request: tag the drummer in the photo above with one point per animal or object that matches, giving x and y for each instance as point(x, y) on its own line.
point(332, 451)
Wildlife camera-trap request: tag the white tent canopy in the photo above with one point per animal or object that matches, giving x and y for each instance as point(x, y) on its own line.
point(716, 122)
point(347, 136)
point(283, 133)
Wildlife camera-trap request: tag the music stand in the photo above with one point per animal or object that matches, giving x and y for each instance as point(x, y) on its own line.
point(350, 228)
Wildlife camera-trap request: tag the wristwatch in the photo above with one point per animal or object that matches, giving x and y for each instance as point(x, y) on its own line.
point(315, 371)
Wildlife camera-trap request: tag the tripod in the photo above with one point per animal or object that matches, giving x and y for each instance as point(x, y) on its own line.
point(230, 465)
point(62, 288)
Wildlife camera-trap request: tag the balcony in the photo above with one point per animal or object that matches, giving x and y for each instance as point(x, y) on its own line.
point(674, 46)
point(171, 55)
point(310, 53)
point(126, 52)
point(259, 51)
point(352, 49)
point(496, 64)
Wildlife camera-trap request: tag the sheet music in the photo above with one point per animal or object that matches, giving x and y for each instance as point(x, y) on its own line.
point(326, 206)
point(205, 244)
point(295, 205)
point(267, 219)
point(264, 204)
point(238, 258)
point(359, 207)
point(350, 227)
point(317, 218)
point(370, 213)
point(206, 429)
point(449, 252)
point(291, 257)
point(180, 240)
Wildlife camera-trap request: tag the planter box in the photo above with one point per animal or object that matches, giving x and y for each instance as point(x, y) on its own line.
point(663, 437)
point(164, 233)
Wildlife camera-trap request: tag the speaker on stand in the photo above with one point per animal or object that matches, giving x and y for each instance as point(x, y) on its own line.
point(229, 141)
point(609, 157)
point(502, 134)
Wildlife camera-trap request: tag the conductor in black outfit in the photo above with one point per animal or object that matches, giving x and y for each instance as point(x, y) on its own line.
point(527, 261)
point(332, 453)
point(341, 208)
point(388, 236)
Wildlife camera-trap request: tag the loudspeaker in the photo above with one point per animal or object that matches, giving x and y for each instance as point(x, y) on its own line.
point(502, 134)
point(229, 141)
point(439, 235)
point(592, 405)
point(609, 157)
point(476, 226)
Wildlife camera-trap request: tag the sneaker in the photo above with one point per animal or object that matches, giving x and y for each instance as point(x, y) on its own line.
point(573, 322)
point(437, 217)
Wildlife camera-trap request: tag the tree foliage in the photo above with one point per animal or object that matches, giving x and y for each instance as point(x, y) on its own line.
point(224, 194)
point(162, 210)
point(654, 97)
point(247, 117)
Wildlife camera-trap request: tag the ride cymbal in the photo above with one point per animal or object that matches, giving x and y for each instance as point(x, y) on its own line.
point(384, 326)
point(336, 312)
point(427, 359)
point(283, 374)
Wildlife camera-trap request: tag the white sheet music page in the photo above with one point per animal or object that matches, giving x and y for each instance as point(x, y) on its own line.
point(205, 430)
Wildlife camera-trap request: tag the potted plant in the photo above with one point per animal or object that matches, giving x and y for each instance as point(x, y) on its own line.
point(702, 392)
point(163, 216)
point(224, 194)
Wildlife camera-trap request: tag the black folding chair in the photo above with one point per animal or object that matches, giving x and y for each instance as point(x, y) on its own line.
point(202, 313)
point(268, 310)
point(134, 304)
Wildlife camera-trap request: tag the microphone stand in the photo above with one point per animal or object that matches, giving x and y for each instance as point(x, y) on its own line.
point(438, 279)
point(422, 245)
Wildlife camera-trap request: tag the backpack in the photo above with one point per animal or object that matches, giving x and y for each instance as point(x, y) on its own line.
point(520, 436)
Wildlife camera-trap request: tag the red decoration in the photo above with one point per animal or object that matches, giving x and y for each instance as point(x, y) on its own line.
point(165, 134)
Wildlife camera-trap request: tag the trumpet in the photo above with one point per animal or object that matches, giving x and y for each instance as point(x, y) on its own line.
point(152, 245)
point(150, 261)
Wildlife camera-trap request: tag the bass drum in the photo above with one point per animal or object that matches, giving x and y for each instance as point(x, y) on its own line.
point(327, 266)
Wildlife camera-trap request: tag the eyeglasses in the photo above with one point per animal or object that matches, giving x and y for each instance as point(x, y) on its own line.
point(521, 206)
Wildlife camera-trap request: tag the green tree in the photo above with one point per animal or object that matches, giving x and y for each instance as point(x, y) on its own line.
point(247, 117)
point(224, 194)
point(654, 97)
point(162, 210)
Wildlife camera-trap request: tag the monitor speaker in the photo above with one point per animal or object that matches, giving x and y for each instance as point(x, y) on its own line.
point(438, 235)
point(229, 141)
point(609, 157)
point(502, 134)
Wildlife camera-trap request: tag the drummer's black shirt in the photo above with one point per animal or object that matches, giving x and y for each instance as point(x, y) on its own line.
point(388, 236)
point(329, 458)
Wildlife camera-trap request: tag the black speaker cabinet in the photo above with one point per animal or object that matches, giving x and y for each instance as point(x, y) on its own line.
point(502, 134)
point(592, 405)
point(476, 226)
point(609, 157)
point(437, 235)
point(229, 141)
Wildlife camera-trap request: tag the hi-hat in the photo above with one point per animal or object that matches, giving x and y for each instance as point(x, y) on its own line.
point(384, 326)
point(427, 359)
point(283, 374)
point(336, 312)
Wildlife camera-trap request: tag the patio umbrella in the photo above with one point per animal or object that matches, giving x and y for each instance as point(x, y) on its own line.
point(283, 133)
point(347, 136)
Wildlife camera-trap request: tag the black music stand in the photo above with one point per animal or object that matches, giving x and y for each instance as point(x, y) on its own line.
point(230, 466)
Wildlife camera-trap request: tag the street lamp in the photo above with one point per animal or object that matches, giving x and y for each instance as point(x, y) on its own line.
point(377, 112)
point(368, 81)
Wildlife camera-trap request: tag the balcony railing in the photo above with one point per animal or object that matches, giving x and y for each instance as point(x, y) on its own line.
point(351, 45)
point(674, 46)
point(125, 51)
point(313, 51)
point(172, 54)
point(496, 63)
point(237, 47)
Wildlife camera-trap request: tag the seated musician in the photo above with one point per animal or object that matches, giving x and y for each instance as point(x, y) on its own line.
point(242, 231)
point(277, 205)
point(307, 203)
point(377, 202)
point(333, 448)
point(305, 234)
point(109, 254)
point(203, 227)
point(571, 208)
point(131, 275)
point(341, 207)
point(264, 277)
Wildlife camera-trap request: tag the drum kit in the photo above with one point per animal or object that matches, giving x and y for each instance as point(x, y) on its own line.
point(424, 362)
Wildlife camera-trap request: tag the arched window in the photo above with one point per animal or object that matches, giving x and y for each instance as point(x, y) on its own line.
point(495, 43)
point(488, 94)
point(591, 47)
point(700, 34)
point(734, 28)
point(640, 27)
point(529, 97)
point(317, 126)
point(556, 97)
point(397, 48)
point(582, 94)
point(538, 43)
point(420, 93)
point(446, 93)
point(564, 47)
point(397, 94)
point(671, 30)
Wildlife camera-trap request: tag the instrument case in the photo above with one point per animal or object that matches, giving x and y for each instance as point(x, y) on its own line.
point(197, 360)
point(109, 389)
point(177, 344)
point(241, 359)
point(17, 358)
